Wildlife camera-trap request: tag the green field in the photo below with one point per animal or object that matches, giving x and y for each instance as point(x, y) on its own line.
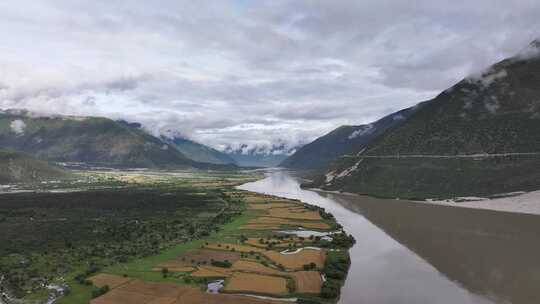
point(126, 227)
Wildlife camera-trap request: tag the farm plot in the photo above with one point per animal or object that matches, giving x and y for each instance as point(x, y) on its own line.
point(199, 256)
point(140, 292)
point(256, 283)
point(307, 281)
point(264, 220)
point(296, 261)
point(165, 290)
point(196, 296)
point(250, 199)
point(123, 297)
point(295, 213)
point(254, 267)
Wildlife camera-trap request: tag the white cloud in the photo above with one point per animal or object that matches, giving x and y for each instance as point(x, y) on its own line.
point(362, 131)
point(18, 126)
point(254, 72)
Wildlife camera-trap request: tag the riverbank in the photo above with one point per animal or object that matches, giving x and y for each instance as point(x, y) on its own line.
point(521, 203)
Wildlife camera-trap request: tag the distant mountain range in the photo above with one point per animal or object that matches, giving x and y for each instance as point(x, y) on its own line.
point(479, 137)
point(259, 156)
point(18, 167)
point(101, 141)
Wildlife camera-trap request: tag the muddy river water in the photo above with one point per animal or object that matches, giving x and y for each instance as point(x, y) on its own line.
point(410, 253)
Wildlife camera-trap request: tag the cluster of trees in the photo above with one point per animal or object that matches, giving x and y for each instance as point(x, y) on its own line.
point(223, 264)
point(335, 269)
point(103, 227)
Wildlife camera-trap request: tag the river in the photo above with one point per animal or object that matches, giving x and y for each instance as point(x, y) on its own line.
point(410, 253)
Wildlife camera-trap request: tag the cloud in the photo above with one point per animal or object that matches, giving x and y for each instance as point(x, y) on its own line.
point(259, 73)
point(18, 126)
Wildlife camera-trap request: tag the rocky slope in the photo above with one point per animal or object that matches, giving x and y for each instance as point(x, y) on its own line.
point(18, 167)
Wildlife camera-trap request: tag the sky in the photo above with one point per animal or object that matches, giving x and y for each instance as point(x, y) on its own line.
point(227, 73)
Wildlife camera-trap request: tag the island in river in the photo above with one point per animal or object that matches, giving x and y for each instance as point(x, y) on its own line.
point(169, 237)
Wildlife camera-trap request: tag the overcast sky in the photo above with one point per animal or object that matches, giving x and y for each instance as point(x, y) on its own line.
point(253, 72)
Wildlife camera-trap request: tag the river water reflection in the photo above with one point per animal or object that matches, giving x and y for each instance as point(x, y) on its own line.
point(410, 253)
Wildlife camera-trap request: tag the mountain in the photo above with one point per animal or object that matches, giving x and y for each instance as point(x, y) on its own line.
point(343, 140)
point(198, 152)
point(18, 167)
point(93, 140)
point(480, 137)
point(259, 156)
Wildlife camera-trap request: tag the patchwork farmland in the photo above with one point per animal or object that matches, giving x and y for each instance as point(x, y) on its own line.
point(234, 236)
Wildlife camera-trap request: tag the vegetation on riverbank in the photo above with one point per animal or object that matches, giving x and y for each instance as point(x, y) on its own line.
point(179, 229)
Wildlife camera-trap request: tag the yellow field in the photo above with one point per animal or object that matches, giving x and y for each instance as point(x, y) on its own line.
point(298, 260)
point(250, 199)
point(264, 220)
point(249, 282)
point(307, 281)
point(140, 292)
point(198, 297)
point(295, 213)
point(254, 267)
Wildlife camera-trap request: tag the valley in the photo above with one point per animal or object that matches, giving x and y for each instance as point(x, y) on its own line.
point(269, 152)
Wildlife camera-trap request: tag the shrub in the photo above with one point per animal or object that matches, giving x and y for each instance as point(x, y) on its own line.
point(330, 289)
point(100, 291)
point(224, 264)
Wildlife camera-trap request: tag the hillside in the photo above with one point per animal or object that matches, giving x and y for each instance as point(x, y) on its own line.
point(18, 167)
point(93, 140)
point(343, 140)
point(198, 152)
point(479, 137)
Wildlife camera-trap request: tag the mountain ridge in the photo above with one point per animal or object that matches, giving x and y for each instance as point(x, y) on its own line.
point(494, 112)
point(94, 140)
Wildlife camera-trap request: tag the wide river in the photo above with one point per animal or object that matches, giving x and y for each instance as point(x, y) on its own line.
point(411, 253)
